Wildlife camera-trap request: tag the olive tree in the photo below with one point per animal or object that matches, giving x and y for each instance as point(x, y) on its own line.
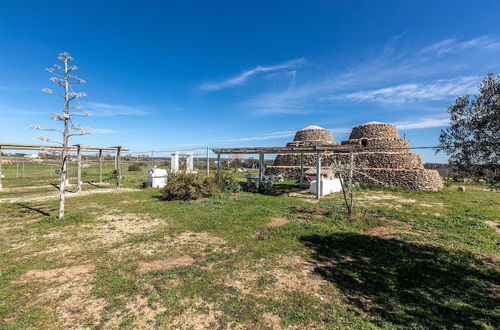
point(473, 138)
point(63, 77)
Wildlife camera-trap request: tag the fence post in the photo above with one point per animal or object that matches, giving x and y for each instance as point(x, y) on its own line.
point(318, 175)
point(208, 162)
point(261, 169)
point(78, 169)
point(351, 165)
point(1, 174)
point(100, 165)
point(118, 168)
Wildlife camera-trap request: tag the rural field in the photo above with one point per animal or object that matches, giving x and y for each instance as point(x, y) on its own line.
point(405, 259)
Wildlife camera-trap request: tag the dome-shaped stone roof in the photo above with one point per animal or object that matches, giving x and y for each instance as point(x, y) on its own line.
point(373, 130)
point(311, 127)
point(314, 133)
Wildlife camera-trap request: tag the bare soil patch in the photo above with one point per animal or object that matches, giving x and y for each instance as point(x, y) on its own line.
point(180, 243)
point(277, 222)
point(273, 278)
point(493, 225)
point(160, 264)
point(56, 274)
point(272, 321)
point(377, 197)
point(55, 195)
point(308, 214)
point(114, 228)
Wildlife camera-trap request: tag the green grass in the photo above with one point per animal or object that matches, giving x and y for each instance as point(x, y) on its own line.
point(405, 259)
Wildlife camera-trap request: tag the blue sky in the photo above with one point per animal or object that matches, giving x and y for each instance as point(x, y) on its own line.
point(175, 74)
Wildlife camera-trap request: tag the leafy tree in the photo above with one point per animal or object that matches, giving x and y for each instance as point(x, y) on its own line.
point(473, 138)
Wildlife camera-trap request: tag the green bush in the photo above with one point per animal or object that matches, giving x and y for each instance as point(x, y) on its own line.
point(186, 187)
point(228, 184)
point(134, 167)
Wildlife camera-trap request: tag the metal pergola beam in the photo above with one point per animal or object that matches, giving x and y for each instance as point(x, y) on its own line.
point(318, 150)
point(283, 150)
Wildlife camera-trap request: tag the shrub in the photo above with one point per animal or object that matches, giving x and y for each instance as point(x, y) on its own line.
point(134, 167)
point(228, 184)
point(186, 187)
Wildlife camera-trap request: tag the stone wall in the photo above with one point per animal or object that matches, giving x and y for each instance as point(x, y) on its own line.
point(374, 130)
point(380, 144)
point(419, 179)
point(361, 159)
point(314, 133)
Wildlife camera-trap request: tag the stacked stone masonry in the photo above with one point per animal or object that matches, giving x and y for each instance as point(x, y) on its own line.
point(382, 157)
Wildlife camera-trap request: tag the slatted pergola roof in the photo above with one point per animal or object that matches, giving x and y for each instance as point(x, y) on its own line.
point(45, 147)
point(261, 151)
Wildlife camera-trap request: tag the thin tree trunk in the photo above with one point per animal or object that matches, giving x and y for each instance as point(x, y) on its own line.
point(64, 167)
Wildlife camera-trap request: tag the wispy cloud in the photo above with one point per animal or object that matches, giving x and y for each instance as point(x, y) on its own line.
point(397, 75)
point(16, 88)
point(244, 76)
point(422, 123)
point(265, 136)
point(108, 110)
point(450, 46)
point(103, 131)
point(414, 92)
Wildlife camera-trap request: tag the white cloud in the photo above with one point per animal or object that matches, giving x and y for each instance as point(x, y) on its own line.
point(414, 92)
point(422, 123)
point(265, 136)
point(450, 46)
point(108, 110)
point(244, 76)
point(103, 131)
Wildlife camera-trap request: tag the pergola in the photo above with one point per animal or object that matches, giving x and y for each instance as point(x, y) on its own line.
point(78, 148)
point(318, 150)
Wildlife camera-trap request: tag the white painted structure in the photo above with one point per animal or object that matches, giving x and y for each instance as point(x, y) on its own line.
point(189, 162)
point(157, 178)
point(327, 186)
point(174, 162)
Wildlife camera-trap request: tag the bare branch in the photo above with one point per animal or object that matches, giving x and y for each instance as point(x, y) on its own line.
point(50, 91)
point(85, 114)
point(47, 139)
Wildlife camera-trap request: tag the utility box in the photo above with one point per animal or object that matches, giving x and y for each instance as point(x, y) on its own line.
point(157, 178)
point(328, 186)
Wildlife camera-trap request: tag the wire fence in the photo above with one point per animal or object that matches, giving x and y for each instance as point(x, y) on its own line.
point(19, 171)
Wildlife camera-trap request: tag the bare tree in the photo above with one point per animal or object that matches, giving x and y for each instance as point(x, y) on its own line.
point(62, 76)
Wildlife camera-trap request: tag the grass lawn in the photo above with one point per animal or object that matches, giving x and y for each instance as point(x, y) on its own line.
point(406, 259)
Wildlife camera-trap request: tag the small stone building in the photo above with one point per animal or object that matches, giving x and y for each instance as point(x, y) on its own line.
point(288, 165)
point(381, 157)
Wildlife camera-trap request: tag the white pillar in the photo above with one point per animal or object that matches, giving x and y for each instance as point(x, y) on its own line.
point(174, 162)
point(261, 169)
point(318, 175)
point(1, 175)
point(189, 163)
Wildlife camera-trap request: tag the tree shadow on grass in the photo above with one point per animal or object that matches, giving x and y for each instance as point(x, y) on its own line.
point(276, 190)
point(410, 285)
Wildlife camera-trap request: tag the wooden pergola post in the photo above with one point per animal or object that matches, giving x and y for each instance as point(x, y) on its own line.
point(78, 169)
point(301, 168)
point(100, 165)
point(219, 166)
point(261, 170)
point(351, 168)
point(208, 162)
point(118, 168)
point(1, 175)
point(318, 175)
